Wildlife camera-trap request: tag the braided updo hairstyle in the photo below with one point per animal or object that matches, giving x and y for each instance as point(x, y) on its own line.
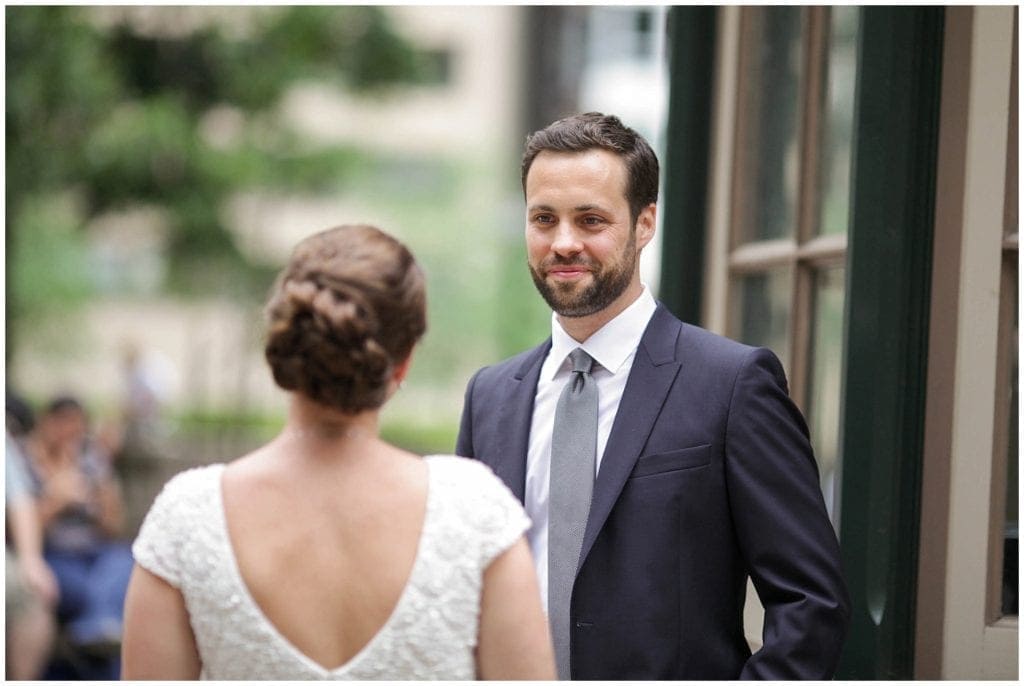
point(349, 306)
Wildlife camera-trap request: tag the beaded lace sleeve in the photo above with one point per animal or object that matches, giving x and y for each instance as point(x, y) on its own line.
point(494, 514)
point(510, 520)
point(171, 520)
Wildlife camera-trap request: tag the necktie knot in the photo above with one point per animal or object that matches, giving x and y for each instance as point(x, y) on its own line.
point(581, 361)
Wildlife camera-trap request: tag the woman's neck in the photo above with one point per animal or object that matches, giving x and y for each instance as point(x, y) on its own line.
point(309, 420)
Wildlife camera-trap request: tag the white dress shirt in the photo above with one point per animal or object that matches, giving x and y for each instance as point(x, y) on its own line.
point(613, 348)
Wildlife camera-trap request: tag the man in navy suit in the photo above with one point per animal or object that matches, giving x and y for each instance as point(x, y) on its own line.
point(704, 474)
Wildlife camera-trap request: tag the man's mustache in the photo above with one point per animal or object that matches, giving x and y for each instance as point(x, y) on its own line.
point(559, 261)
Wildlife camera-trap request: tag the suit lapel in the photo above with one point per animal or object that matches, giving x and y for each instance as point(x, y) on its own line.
point(516, 417)
point(654, 370)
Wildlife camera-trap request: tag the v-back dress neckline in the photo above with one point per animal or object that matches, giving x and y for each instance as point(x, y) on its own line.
point(246, 596)
point(431, 633)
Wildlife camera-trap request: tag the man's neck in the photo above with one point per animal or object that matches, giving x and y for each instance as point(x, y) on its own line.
point(582, 328)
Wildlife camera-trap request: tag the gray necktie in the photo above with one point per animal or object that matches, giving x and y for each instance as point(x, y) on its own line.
point(573, 451)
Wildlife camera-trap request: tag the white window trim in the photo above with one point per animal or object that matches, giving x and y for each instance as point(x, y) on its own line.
point(973, 647)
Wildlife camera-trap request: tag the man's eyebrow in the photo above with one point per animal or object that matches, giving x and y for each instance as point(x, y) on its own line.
point(540, 208)
point(578, 208)
point(588, 208)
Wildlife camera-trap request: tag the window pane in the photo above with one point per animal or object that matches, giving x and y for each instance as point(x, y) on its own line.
point(761, 314)
point(769, 122)
point(823, 390)
point(837, 120)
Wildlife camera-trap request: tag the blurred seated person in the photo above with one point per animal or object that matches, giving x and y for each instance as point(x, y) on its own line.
point(81, 512)
point(30, 587)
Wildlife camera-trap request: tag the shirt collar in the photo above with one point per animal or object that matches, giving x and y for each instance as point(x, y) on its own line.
point(612, 344)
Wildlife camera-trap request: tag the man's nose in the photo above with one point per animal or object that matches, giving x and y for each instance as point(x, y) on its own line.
point(566, 240)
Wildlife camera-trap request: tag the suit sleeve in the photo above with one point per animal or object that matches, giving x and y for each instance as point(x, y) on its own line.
point(464, 442)
point(784, 532)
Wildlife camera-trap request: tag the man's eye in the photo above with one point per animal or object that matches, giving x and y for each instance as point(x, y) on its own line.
point(592, 221)
point(543, 219)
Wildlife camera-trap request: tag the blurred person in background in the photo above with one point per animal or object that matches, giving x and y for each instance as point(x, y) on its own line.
point(81, 513)
point(329, 553)
point(30, 587)
point(149, 378)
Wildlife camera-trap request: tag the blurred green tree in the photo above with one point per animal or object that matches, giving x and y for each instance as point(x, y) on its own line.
point(101, 118)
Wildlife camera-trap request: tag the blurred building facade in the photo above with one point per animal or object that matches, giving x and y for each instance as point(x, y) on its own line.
point(494, 82)
point(467, 117)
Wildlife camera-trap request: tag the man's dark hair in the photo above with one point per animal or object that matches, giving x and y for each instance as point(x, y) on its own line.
point(582, 132)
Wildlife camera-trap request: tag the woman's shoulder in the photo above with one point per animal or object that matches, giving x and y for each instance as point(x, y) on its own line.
point(195, 478)
point(180, 515)
point(461, 469)
point(190, 485)
point(478, 500)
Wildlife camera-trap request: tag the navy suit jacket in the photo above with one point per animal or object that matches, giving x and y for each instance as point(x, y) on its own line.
point(708, 477)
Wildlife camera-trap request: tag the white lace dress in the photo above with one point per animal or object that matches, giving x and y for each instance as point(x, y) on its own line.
point(471, 517)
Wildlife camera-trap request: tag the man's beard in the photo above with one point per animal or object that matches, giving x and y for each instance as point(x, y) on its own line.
point(609, 282)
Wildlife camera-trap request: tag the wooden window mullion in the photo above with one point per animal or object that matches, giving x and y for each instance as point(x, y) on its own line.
point(802, 303)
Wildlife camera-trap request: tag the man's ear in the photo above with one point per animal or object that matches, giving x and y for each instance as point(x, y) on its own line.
point(646, 223)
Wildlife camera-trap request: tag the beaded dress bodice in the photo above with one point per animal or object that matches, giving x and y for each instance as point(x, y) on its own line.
point(471, 517)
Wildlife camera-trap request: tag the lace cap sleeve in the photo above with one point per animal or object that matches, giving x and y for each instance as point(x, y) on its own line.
point(512, 522)
point(499, 517)
point(170, 520)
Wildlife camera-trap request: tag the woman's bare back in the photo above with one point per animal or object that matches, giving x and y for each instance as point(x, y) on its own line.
point(325, 543)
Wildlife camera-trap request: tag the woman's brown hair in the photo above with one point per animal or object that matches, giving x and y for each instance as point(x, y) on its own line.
point(348, 307)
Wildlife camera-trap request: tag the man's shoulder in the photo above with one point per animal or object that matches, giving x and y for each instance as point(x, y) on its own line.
point(695, 336)
point(692, 340)
point(718, 356)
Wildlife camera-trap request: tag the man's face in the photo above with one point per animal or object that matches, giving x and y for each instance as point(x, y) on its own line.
point(582, 250)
